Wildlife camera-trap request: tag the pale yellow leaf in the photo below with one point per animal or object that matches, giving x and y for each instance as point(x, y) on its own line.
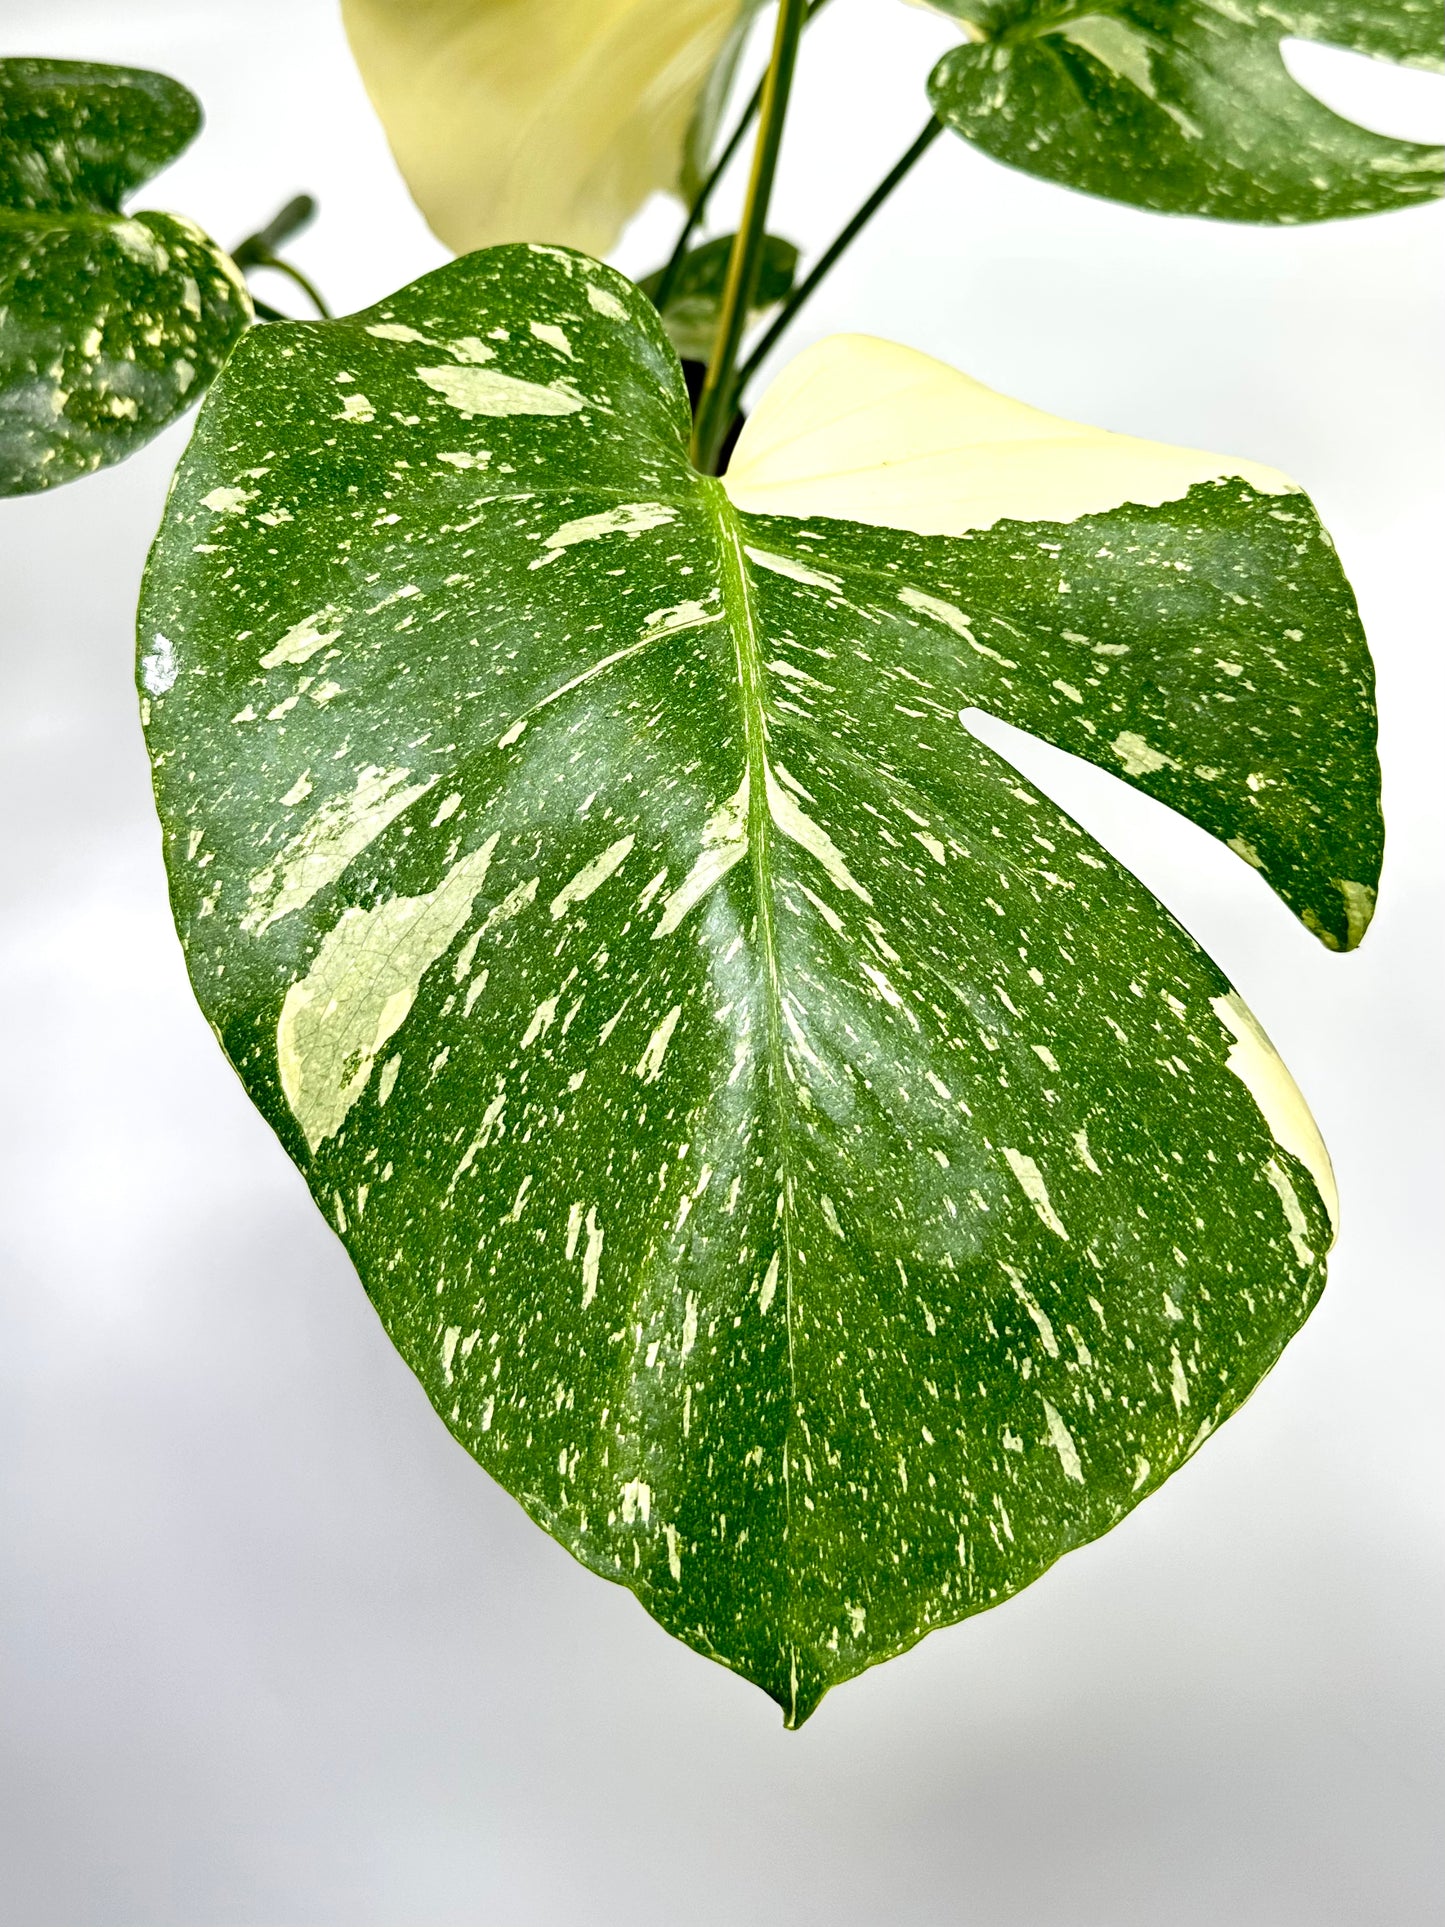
point(536, 120)
point(1258, 1066)
point(867, 431)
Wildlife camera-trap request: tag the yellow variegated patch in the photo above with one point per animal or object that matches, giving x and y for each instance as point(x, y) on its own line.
point(1259, 1067)
point(536, 120)
point(868, 431)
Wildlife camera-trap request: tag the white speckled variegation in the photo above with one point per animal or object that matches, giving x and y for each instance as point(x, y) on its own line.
point(1187, 108)
point(111, 324)
point(797, 1160)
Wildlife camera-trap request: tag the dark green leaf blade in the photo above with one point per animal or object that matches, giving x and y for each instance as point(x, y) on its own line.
point(695, 300)
point(1264, 739)
point(1177, 617)
point(79, 138)
point(110, 325)
point(1186, 107)
point(811, 1175)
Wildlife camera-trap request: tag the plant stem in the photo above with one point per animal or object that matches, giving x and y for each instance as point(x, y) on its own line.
point(715, 408)
point(719, 168)
point(258, 250)
point(704, 195)
point(278, 266)
point(836, 248)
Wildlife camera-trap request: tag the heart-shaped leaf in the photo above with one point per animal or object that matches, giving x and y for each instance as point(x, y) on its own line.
point(536, 120)
point(110, 324)
point(1186, 106)
point(797, 1161)
point(691, 314)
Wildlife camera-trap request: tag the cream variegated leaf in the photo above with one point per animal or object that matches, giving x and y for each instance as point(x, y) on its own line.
point(536, 120)
point(798, 1161)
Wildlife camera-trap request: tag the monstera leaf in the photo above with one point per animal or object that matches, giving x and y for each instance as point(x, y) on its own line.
point(797, 1161)
point(690, 315)
point(536, 120)
point(110, 324)
point(1186, 105)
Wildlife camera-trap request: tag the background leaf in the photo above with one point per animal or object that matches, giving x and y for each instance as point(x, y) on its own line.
point(536, 120)
point(691, 314)
point(712, 102)
point(1186, 106)
point(110, 324)
point(802, 1166)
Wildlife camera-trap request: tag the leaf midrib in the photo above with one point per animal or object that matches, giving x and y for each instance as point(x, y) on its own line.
point(737, 598)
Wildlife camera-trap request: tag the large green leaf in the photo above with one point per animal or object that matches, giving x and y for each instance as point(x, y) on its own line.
point(1186, 105)
point(691, 314)
point(797, 1161)
point(110, 324)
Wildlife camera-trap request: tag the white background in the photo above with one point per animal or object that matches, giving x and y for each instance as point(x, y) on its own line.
point(275, 1652)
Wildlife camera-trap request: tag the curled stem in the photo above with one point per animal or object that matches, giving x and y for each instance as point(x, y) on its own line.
point(258, 250)
point(294, 274)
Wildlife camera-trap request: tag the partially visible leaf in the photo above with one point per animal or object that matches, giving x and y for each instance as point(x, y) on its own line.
point(712, 102)
point(1186, 106)
point(691, 314)
point(1190, 653)
point(796, 1159)
point(536, 120)
point(110, 324)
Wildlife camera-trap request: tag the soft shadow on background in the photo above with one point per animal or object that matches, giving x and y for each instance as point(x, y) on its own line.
point(273, 1651)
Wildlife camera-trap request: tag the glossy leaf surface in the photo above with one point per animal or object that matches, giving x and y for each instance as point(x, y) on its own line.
point(797, 1161)
point(1186, 106)
point(110, 324)
point(691, 314)
point(536, 120)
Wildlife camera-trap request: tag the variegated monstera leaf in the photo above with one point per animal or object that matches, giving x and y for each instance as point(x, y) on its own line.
point(1186, 106)
point(540, 120)
point(110, 324)
point(796, 1159)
